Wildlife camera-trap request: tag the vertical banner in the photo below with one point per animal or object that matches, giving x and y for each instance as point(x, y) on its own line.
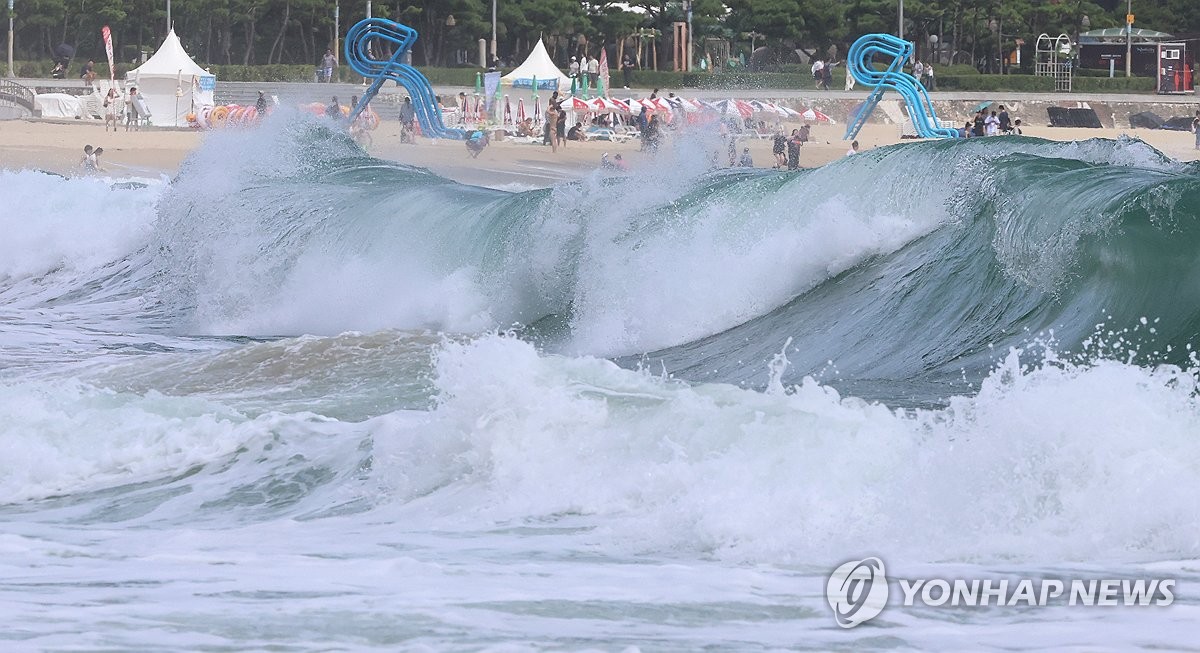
point(602, 90)
point(108, 49)
point(491, 82)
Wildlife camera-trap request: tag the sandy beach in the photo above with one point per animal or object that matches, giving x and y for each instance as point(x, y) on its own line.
point(57, 146)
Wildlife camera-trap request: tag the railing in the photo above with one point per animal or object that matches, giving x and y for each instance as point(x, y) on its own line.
point(15, 94)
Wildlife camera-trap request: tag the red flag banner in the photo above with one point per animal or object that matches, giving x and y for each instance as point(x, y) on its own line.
point(108, 49)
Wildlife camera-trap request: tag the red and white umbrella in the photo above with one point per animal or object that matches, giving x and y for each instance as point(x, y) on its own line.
point(605, 105)
point(575, 104)
point(812, 115)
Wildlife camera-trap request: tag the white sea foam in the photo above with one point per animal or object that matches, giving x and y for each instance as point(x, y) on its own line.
point(1047, 463)
point(50, 222)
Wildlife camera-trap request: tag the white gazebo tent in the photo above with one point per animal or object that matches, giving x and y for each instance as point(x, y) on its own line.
point(538, 64)
point(168, 76)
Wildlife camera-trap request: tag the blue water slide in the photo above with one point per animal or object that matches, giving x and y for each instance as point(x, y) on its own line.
point(860, 63)
point(361, 61)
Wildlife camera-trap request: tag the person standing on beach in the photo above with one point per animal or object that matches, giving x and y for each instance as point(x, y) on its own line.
point(333, 110)
point(919, 71)
point(991, 125)
point(88, 75)
point(573, 68)
point(328, 63)
point(593, 69)
point(793, 150)
point(551, 136)
point(627, 69)
point(133, 110)
point(779, 148)
point(929, 84)
point(1196, 129)
point(112, 108)
point(407, 115)
point(1005, 121)
point(260, 105)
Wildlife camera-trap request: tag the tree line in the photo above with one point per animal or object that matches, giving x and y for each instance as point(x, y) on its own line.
point(250, 32)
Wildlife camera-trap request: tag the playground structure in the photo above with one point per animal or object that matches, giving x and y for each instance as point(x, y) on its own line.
point(360, 59)
point(860, 63)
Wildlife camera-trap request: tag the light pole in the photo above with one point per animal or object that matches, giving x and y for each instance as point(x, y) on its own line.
point(10, 39)
point(168, 16)
point(493, 31)
point(1129, 38)
point(689, 37)
point(900, 21)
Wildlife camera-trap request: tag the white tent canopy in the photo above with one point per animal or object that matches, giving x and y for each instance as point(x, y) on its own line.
point(172, 84)
point(539, 65)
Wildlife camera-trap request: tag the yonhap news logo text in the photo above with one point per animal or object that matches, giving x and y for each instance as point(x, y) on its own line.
point(858, 591)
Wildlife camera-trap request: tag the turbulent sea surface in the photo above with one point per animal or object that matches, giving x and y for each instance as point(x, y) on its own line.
point(300, 399)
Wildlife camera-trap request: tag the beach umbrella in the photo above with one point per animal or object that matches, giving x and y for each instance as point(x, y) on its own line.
point(520, 109)
point(575, 104)
point(534, 84)
point(981, 106)
point(731, 109)
point(605, 105)
point(574, 85)
point(812, 115)
point(585, 87)
point(478, 83)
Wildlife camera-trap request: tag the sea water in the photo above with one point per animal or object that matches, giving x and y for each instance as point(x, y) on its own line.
point(300, 399)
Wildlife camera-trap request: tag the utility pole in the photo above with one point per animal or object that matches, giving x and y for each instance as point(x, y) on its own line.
point(689, 38)
point(337, 29)
point(1129, 38)
point(168, 16)
point(11, 73)
point(900, 21)
point(368, 8)
point(493, 31)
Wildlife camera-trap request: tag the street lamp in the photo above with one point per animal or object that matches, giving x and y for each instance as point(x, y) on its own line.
point(900, 21)
point(1129, 38)
point(493, 31)
point(10, 39)
point(933, 41)
point(754, 36)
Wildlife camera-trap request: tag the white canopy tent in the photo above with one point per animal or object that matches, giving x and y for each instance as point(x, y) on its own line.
point(538, 64)
point(168, 76)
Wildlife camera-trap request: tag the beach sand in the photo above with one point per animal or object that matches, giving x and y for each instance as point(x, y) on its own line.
point(58, 147)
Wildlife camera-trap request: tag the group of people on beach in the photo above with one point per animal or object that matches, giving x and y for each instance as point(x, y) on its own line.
point(990, 124)
point(91, 159)
point(786, 148)
point(132, 107)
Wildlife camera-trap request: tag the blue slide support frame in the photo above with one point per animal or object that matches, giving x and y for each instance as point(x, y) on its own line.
point(358, 56)
point(860, 63)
